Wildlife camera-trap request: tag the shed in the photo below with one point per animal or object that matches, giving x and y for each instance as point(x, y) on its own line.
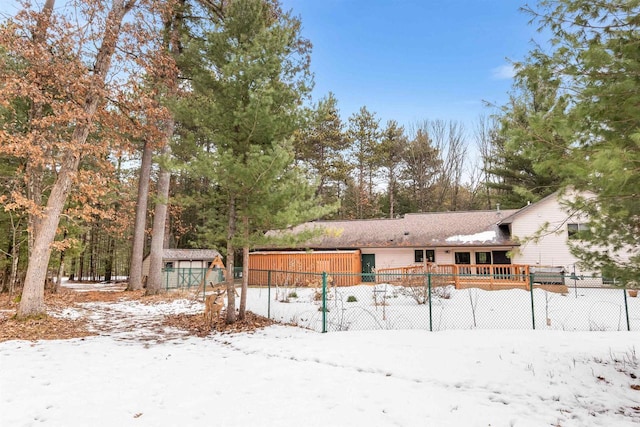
point(188, 267)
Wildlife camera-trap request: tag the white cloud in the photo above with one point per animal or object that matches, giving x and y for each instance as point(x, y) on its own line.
point(503, 72)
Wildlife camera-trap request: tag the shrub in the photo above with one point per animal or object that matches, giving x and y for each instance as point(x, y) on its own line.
point(293, 294)
point(352, 298)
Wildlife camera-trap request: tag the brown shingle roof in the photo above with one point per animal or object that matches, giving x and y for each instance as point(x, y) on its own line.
point(437, 229)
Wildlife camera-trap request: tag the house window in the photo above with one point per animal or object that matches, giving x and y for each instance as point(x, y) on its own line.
point(421, 254)
point(574, 228)
point(168, 265)
point(501, 257)
point(463, 257)
point(483, 257)
point(431, 255)
point(506, 230)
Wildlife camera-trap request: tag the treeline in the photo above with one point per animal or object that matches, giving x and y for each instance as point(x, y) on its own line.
point(189, 123)
point(209, 104)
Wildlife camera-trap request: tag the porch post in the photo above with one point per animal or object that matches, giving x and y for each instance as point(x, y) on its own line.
point(456, 275)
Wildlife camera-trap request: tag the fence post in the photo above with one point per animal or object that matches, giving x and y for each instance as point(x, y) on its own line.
point(167, 280)
point(533, 314)
point(269, 294)
point(324, 302)
point(626, 307)
point(430, 315)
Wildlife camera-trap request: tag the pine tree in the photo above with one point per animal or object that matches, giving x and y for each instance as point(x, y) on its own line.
point(531, 135)
point(390, 152)
point(422, 165)
point(249, 78)
point(320, 145)
point(364, 134)
point(595, 54)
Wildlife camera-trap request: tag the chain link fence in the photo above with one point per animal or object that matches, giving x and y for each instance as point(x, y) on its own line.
point(437, 302)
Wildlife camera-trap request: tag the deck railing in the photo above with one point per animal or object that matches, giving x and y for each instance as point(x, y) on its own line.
point(459, 275)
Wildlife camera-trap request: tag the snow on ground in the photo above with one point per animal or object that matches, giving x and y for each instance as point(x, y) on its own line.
point(138, 374)
point(94, 286)
point(385, 306)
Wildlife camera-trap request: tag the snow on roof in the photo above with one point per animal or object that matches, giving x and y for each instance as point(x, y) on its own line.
point(485, 236)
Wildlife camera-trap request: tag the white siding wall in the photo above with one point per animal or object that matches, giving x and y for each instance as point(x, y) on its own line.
point(402, 257)
point(445, 256)
point(190, 264)
point(552, 249)
point(391, 257)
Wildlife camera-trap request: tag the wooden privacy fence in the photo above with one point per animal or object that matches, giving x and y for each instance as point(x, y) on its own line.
point(295, 268)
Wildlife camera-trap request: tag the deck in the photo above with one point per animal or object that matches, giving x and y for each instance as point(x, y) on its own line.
point(483, 276)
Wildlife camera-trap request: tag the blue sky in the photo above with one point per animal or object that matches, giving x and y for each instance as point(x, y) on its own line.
point(411, 60)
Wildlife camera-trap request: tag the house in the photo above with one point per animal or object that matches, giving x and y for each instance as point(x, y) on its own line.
point(188, 267)
point(462, 240)
point(495, 243)
point(549, 221)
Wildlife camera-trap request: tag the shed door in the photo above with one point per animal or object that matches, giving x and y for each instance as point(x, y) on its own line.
point(368, 266)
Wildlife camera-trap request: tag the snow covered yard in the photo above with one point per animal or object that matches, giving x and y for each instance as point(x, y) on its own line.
point(139, 373)
point(386, 306)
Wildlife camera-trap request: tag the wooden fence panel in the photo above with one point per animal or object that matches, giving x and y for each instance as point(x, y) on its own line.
point(293, 268)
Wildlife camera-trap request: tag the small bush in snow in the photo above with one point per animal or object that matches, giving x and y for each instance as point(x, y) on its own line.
point(442, 292)
point(352, 298)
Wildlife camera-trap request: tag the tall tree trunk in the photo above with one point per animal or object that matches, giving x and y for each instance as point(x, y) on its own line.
point(245, 269)
point(154, 281)
point(137, 248)
point(231, 289)
point(15, 258)
point(56, 286)
point(108, 265)
point(172, 24)
point(72, 272)
point(82, 257)
point(34, 171)
point(4, 278)
point(92, 253)
point(32, 301)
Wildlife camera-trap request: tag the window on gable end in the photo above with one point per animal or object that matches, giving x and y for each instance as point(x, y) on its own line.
point(574, 228)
